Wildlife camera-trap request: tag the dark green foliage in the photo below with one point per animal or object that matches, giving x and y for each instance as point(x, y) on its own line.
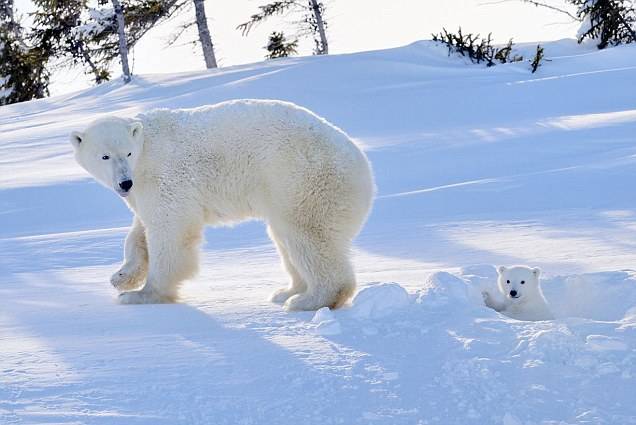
point(279, 47)
point(23, 73)
point(535, 63)
point(140, 16)
point(266, 11)
point(54, 31)
point(611, 22)
point(63, 30)
point(311, 24)
point(475, 48)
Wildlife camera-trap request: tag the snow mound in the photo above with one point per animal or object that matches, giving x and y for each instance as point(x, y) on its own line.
point(597, 296)
point(604, 343)
point(326, 323)
point(446, 289)
point(379, 301)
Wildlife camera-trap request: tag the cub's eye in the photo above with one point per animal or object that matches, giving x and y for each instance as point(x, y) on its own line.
point(507, 281)
point(523, 281)
point(105, 157)
point(129, 153)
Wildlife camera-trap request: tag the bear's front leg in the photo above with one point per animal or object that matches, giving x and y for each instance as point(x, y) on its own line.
point(172, 258)
point(135, 266)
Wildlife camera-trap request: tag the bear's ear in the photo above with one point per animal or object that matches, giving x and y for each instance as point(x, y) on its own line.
point(536, 272)
point(76, 137)
point(137, 130)
point(501, 269)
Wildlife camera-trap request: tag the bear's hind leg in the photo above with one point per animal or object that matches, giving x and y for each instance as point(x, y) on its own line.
point(135, 266)
point(173, 257)
point(297, 285)
point(324, 264)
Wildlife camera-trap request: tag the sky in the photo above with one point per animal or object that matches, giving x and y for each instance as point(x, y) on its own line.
point(354, 25)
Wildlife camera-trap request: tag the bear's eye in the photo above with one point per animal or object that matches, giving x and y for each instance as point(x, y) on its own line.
point(507, 281)
point(523, 281)
point(129, 153)
point(105, 157)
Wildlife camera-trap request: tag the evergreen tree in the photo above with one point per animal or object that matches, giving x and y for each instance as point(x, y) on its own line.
point(610, 22)
point(312, 24)
point(23, 74)
point(74, 32)
point(279, 47)
point(55, 31)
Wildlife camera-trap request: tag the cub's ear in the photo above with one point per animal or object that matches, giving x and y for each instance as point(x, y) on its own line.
point(501, 269)
point(76, 137)
point(137, 130)
point(536, 272)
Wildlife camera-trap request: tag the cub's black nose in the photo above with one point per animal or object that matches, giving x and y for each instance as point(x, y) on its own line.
point(126, 185)
point(513, 293)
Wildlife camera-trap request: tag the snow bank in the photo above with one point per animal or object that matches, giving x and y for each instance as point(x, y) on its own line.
point(379, 300)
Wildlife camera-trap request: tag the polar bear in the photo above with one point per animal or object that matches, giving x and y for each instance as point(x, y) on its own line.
point(521, 291)
point(179, 170)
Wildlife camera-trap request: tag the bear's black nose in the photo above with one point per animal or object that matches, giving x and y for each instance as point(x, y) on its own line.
point(126, 185)
point(513, 293)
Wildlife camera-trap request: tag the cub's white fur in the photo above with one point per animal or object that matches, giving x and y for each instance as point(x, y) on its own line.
point(226, 163)
point(520, 288)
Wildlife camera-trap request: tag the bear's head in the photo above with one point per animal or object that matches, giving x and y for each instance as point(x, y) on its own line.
point(519, 283)
point(109, 149)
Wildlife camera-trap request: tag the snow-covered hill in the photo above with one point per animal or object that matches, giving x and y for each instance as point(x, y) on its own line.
point(475, 166)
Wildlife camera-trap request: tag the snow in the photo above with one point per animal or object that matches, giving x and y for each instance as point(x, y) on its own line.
point(95, 22)
point(475, 167)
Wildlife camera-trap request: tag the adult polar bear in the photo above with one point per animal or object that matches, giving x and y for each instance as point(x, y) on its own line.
point(181, 169)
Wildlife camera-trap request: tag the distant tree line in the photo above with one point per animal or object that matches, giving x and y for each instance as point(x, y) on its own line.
point(92, 34)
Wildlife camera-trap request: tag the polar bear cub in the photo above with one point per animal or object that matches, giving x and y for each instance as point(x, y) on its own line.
point(179, 170)
point(520, 295)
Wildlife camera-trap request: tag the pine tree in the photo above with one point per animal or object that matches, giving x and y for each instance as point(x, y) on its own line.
point(539, 56)
point(55, 31)
point(312, 24)
point(23, 73)
point(610, 22)
point(74, 33)
point(279, 47)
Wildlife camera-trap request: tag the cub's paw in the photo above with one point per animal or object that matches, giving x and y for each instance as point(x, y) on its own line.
point(143, 297)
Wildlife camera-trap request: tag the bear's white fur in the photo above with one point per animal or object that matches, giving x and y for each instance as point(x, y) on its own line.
point(520, 295)
point(225, 163)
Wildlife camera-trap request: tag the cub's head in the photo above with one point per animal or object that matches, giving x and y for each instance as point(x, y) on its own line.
point(109, 150)
point(518, 283)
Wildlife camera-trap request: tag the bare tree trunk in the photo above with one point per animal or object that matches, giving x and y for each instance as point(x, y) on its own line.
point(321, 28)
point(204, 35)
point(123, 46)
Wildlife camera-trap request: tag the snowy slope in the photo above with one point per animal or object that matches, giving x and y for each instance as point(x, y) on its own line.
point(474, 167)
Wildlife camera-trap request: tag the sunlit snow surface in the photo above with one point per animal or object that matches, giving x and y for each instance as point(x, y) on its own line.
point(474, 167)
